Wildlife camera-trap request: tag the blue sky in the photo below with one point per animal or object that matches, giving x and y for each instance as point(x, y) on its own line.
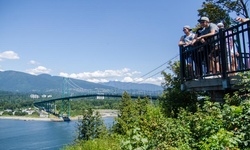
point(93, 40)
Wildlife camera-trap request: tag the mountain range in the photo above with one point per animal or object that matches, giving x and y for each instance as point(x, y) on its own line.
point(15, 81)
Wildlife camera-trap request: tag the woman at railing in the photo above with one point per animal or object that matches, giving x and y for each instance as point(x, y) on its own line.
point(186, 41)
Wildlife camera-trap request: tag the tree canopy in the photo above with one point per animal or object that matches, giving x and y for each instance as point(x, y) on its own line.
point(220, 10)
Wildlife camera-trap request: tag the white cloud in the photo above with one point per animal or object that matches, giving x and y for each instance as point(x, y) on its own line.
point(97, 80)
point(128, 79)
point(8, 55)
point(38, 70)
point(33, 62)
point(156, 80)
point(123, 75)
point(100, 74)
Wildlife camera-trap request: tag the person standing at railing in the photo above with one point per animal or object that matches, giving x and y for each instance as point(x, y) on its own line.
point(186, 41)
point(239, 19)
point(231, 51)
point(242, 20)
point(199, 55)
point(209, 29)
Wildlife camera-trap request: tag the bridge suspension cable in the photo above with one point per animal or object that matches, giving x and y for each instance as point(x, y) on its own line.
point(73, 84)
point(156, 69)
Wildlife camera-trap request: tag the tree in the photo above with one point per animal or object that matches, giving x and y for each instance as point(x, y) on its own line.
point(91, 126)
point(215, 13)
point(130, 113)
point(237, 6)
point(219, 10)
point(126, 116)
point(173, 98)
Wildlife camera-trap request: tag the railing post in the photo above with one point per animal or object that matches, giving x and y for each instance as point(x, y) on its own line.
point(224, 52)
point(182, 67)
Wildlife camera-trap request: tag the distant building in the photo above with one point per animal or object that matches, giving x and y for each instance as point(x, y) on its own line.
point(99, 97)
point(44, 96)
point(35, 96)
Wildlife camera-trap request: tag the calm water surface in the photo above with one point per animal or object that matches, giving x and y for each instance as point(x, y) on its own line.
point(38, 135)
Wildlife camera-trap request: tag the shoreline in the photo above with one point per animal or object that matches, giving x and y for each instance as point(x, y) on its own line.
point(103, 113)
point(25, 118)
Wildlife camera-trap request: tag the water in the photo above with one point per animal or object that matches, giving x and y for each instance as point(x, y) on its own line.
point(38, 135)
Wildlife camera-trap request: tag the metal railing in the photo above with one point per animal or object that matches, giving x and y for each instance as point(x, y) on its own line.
point(222, 55)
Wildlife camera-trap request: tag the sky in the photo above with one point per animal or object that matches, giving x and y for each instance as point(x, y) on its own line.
point(94, 40)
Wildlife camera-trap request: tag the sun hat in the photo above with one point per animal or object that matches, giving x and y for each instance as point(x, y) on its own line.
point(203, 19)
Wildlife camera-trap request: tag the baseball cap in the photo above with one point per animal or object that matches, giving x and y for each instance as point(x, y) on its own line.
point(187, 27)
point(203, 19)
point(220, 24)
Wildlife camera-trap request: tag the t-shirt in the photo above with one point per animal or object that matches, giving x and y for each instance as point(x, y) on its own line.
point(198, 32)
point(189, 38)
point(211, 27)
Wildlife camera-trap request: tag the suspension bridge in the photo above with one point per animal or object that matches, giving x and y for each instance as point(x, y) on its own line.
point(51, 105)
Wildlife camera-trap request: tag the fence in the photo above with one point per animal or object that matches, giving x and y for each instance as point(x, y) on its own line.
point(222, 55)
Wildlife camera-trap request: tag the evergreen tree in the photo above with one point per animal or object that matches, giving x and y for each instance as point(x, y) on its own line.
point(173, 98)
point(91, 126)
point(126, 116)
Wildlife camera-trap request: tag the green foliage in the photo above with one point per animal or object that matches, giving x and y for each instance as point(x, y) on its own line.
point(237, 6)
point(219, 10)
point(144, 126)
point(213, 126)
point(237, 121)
point(108, 143)
point(134, 140)
point(209, 127)
point(15, 101)
point(91, 126)
point(20, 113)
point(173, 98)
point(35, 114)
point(127, 115)
point(221, 140)
point(215, 13)
point(5, 113)
point(77, 105)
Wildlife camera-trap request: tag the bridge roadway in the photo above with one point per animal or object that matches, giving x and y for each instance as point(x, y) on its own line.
point(64, 112)
point(94, 95)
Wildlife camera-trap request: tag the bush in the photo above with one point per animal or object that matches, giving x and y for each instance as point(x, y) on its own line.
point(108, 143)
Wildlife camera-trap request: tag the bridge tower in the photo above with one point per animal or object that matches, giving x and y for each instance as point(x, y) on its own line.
point(65, 106)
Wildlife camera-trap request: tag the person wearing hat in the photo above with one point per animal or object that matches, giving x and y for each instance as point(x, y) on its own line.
point(187, 38)
point(209, 29)
point(231, 50)
point(220, 25)
point(186, 41)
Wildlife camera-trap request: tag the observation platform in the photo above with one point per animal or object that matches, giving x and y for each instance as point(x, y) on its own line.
point(217, 62)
